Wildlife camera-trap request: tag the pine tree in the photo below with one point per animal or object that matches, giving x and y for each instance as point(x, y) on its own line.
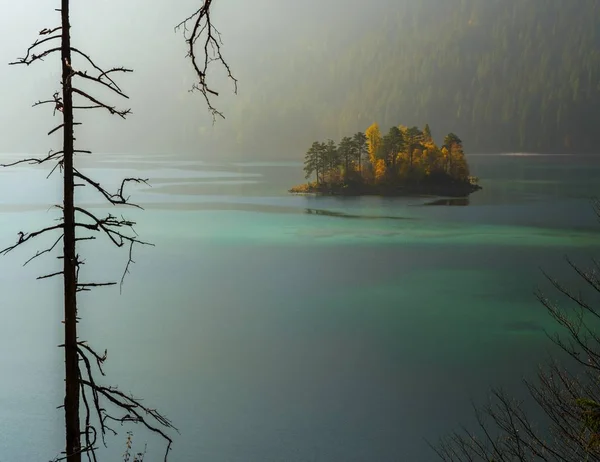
point(346, 152)
point(311, 161)
point(360, 148)
point(455, 158)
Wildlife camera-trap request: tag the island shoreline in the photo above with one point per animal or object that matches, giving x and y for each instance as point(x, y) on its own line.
point(346, 190)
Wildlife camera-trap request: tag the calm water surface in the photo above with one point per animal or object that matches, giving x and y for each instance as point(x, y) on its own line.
point(270, 327)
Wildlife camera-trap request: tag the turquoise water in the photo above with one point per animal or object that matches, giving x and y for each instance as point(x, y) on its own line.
point(272, 327)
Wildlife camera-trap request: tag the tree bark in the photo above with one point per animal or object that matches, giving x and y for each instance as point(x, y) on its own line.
point(72, 424)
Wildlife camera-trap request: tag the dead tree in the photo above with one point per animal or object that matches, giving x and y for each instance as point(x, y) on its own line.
point(100, 404)
point(568, 395)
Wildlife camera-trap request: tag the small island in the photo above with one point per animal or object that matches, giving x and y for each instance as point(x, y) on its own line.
point(405, 161)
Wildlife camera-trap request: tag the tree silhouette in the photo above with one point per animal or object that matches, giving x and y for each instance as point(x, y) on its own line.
point(100, 404)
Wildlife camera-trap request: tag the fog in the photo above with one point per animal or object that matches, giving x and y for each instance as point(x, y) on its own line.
point(495, 72)
point(136, 34)
point(140, 35)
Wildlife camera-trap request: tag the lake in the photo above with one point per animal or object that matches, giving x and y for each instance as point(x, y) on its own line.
point(272, 327)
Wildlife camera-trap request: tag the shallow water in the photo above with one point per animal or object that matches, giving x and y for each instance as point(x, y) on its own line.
point(273, 327)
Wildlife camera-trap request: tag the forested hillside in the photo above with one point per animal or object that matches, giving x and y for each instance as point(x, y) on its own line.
point(509, 75)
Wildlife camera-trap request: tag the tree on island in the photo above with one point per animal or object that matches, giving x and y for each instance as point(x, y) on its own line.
point(404, 159)
point(347, 153)
point(86, 398)
point(313, 162)
point(391, 145)
point(456, 163)
point(359, 142)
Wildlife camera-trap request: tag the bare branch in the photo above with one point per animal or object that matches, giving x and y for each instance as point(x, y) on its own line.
point(129, 262)
point(102, 72)
point(111, 109)
point(55, 129)
point(87, 287)
point(89, 107)
point(48, 250)
point(56, 100)
point(28, 60)
point(134, 411)
point(110, 226)
point(46, 31)
point(114, 199)
point(59, 164)
point(48, 276)
point(108, 85)
point(34, 161)
point(23, 238)
point(201, 24)
point(61, 126)
point(88, 238)
point(99, 358)
point(115, 69)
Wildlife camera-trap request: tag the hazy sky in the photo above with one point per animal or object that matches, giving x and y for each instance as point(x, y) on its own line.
point(139, 34)
point(133, 33)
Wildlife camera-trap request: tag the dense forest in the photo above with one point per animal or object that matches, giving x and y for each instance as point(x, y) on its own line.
point(510, 75)
point(404, 161)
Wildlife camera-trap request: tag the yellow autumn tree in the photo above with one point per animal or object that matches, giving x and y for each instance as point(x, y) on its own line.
point(373, 135)
point(431, 157)
point(380, 170)
point(445, 158)
point(460, 168)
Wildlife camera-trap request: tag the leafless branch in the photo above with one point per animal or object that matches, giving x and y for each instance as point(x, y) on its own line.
point(103, 73)
point(59, 127)
point(111, 109)
point(88, 286)
point(108, 85)
point(46, 31)
point(23, 238)
point(114, 199)
point(129, 263)
point(56, 100)
point(48, 250)
point(28, 60)
point(48, 276)
point(110, 225)
point(99, 358)
point(34, 161)
point(59, 165)
point(203, 29)
point(97, 106)
point(132, 408)
point(35, 44)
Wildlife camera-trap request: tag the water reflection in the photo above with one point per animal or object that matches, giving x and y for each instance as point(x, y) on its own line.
point(332, 213)
point(454, 201)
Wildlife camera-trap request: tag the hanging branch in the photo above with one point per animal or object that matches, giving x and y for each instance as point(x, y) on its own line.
point(198, 27)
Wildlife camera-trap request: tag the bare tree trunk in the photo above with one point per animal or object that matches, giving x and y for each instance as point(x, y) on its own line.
point(73, 445)
point(82, 390)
